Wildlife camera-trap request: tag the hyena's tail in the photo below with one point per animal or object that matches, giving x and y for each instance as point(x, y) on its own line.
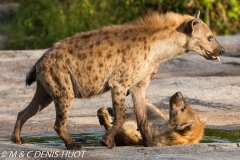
point(31, 76)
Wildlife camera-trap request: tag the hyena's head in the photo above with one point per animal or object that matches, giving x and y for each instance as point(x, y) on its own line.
point(201, 39)
point(184, 119)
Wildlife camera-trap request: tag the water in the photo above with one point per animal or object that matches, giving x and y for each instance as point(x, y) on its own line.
point(94, 138)
point(220, 136)
point(85, 139)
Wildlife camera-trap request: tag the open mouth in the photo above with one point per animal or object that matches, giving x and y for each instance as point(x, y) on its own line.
point(212, 57)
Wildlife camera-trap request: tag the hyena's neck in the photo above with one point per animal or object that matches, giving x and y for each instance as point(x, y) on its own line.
point(161, 135)
point(168, 48)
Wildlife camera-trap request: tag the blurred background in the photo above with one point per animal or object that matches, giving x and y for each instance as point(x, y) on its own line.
point(37, 24)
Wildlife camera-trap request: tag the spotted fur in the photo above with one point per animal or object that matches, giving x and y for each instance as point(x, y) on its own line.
point(117, 58)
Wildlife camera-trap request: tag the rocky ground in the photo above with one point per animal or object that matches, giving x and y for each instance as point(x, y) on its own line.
point(212, 88)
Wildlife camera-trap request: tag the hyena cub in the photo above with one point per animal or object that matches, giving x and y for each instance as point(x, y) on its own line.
point(183, 126)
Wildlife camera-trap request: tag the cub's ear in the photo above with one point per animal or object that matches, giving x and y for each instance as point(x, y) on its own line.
point(204, 121)
point(183, 126)
point(197, 15)
point(190, 25)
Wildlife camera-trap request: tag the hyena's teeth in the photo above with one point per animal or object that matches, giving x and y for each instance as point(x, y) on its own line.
point(214, 57)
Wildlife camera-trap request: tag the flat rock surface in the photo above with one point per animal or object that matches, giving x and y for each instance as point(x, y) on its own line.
point(212, 88)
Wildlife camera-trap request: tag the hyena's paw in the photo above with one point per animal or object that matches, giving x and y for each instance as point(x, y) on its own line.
point(148, 143)
point(74, 146)
point(108, 142)
point(17, 140)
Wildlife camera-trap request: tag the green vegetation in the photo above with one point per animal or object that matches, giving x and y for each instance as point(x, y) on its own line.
point(40, 23)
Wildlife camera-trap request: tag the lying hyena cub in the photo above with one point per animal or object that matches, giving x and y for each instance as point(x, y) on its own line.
point(183, 126)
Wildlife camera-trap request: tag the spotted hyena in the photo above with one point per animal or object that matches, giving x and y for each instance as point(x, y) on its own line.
point(183, 126)
point(117, 58)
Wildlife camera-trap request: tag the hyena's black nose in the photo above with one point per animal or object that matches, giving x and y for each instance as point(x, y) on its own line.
point(222, 50)
point(178, 95)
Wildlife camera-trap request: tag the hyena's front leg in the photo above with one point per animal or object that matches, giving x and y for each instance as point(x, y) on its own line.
point(118, 100)
point(138, 94)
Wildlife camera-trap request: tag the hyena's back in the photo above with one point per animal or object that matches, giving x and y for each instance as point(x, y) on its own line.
point(86, 63)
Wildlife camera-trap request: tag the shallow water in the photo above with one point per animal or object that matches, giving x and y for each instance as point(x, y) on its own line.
point(220, 136)
point(85, 139)
point(94, 138)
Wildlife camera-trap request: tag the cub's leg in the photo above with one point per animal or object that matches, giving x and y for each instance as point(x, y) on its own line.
point(40, 100)
point(104, 118)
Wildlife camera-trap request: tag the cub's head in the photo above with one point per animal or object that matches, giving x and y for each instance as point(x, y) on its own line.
point(200, 39)
point(185, 120)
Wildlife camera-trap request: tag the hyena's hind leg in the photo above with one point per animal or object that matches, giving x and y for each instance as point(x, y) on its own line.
point(40, 100)
point(63, 106)
point(104, 117)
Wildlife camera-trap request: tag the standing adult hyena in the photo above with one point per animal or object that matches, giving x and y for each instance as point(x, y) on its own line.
point(116, 58)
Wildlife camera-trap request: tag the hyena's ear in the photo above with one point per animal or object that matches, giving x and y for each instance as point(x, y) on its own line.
point(190, 25)
point(197, 15)
point(204, 121)
point(183, 126)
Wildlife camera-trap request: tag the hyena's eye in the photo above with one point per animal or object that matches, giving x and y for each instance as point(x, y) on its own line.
point(210, 38)
point(182, 109)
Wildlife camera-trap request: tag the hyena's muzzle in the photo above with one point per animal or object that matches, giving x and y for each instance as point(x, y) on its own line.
point(202, 41)
point(216, 50)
